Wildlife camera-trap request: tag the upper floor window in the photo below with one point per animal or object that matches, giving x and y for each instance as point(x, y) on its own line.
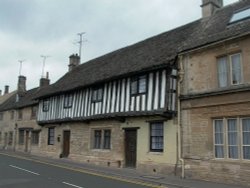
point(232, 138)
point(33, 112)
point(229, 70)
point(46, 105)
point(156, 137)
point(68, 100)
point(97, 94)
point(138, 85)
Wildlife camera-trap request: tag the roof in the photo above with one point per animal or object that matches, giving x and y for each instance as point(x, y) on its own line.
point(5, 97)
point(155, 52)
point(25, 100)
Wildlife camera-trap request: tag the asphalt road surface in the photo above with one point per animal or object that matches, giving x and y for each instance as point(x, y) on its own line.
point(21, 173)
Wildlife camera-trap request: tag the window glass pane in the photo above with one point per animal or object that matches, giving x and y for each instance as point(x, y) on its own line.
point(236, 69)
point(222, 71)
point(240, 15)
point(232, 138)
point(107, 138)
point(99, 97)
point(142, 84)
point(97, 139)
point(219, 138)
point(246, 138)
point(134, 87)
point(51, 136)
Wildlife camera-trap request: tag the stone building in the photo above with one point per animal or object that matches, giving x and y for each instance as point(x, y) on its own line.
point(215, 90)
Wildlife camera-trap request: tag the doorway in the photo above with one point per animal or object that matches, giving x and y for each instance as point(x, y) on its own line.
point(66, 143)
point(130, 147)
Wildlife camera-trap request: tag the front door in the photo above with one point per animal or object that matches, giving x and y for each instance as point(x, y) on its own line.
point(130, 147)
point(66, 143)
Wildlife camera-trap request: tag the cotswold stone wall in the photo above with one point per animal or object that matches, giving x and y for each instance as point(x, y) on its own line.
point(197, 114)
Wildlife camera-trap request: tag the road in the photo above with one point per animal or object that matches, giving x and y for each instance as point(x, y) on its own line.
point(21, 173)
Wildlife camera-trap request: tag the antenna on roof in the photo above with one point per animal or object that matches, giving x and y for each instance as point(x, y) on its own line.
point(20, 68)
point(80, 43)
point(44, 59)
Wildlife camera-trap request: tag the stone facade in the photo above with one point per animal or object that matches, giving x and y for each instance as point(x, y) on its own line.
point(203, 102)
point(81, 144)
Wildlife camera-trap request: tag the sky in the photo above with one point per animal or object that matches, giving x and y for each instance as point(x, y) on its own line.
point(30, 29)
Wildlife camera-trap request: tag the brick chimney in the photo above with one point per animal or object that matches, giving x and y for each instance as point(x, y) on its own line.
point(6, 89)
point(45, 81)
point(21, 86)
point(74, 60)
point(210, 6)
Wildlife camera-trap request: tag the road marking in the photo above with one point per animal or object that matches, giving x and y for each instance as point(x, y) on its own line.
point(71, 185)
point(24, 170)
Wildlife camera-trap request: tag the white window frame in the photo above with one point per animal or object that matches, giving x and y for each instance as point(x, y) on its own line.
point(231, 69)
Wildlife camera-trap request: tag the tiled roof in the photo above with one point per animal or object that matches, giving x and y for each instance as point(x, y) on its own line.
point(155, 52)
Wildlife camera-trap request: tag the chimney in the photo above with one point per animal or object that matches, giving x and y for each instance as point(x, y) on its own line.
point(0, 92)
point(6, 89)
point(210, 6)
point(21, 86)
point(74, 60)
point(45, 81)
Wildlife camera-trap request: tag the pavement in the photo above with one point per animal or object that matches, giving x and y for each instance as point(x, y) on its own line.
point(121, 173)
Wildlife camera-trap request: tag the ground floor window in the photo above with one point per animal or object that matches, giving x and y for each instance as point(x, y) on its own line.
point(156, 137)
point(21, 137)
point(102, 139)
point(232, 138)
point(51, 136)
point(35, 137)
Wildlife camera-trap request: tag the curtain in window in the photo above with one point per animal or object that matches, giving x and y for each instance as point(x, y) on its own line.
point(236, 69)
point(219, 139)
point(246, 138)
point(222, 71)
point(232, 138)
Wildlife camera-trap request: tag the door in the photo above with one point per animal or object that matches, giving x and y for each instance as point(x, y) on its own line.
point(26, 141)
point(66, 143)
point(130, 147)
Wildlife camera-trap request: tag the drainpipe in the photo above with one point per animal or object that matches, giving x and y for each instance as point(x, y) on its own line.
point(180, 79)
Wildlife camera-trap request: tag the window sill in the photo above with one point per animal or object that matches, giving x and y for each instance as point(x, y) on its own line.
point(156, 152)
point(231, 160)
point(101, 150)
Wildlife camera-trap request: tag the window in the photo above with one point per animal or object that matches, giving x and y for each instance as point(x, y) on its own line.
point(51, 136)
point(35, 137)
point(20, 114)
point(97, 94)
point(33, 112)
point(229, 70)
point(68, 100)
point(102, 139)
point(156, 137)
point(21, 137)
point(46, 105)
point(232, 138)
point(98, 137)
point(241, 15)
point(138, 85)
point(1, 116)
point(107, 138)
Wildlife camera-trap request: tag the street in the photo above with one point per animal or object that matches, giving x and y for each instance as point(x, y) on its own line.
point(21, 173)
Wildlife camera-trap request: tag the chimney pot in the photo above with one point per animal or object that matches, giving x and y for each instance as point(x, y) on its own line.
point(6, 89)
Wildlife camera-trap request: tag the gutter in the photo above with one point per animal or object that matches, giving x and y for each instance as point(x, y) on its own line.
point(180, 74)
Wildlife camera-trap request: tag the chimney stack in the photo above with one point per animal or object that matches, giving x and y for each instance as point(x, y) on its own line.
point(21, 86)
point(210, 6)
point(6, 89)
point(45, 81)
point(0, 92)
point(74, 60)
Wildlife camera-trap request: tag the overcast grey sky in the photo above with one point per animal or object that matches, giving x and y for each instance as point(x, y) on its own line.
point(31, 28)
